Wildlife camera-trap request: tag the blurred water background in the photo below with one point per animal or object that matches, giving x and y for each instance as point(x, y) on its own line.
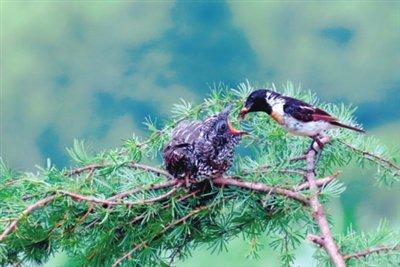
point(94, 70)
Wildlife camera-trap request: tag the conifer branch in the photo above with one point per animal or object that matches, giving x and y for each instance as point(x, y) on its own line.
point(370, 251)
point(318, 240)
point(132, 191)
point(227, 181)
point(131, 164)
point(326, 239)
point(319, 182)
point(26, 212)
point(374, 158)
point(166, 228)
point(129, 209)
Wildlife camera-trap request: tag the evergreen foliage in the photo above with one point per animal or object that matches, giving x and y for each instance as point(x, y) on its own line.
point(120, 207)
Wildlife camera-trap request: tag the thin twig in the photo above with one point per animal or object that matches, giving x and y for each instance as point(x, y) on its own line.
point(26, 212)
point(78, 197)
point(319, 182)
point(326, 239)
point(90, 167)
point(268, 168)
point(138, 218)
point(7, 219)
point(227, 181)
point(111, 201)
point(369, 251)
point(147, 168)
point(316, 239)
point(372, 157)
point(130, 164)
point(155, 199)
point(303, 157)
point(129, 192)
point(169, 226)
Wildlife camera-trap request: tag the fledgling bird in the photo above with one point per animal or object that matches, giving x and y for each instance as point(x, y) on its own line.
point(202, 148)
point(296, 116)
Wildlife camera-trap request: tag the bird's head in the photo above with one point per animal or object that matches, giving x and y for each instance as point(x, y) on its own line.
point(220, 130)
point(223, 126)
point(257, 101)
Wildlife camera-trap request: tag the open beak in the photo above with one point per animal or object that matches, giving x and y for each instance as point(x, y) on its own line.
point(243, 112)
point(234, 131)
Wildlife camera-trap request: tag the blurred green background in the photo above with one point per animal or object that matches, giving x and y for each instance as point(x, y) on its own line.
point(94, 70)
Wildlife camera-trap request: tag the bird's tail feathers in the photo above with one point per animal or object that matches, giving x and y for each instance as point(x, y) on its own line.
point(347, 127)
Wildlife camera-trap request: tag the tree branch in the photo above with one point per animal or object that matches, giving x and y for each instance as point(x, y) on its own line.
point(372, 157)
point(155, 199)
point(319, 182)
point(79, 170)
point(26, 212)
point(326, 239)
point(368, 252)
point(130, 164)
point(227, 181)
point(78, 197)
point(126, 193)
point(316, 239)
point(169, 226)
point(112, 201)
point(266, 169)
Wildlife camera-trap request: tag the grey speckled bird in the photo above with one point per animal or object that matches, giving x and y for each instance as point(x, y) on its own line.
point(202, 148)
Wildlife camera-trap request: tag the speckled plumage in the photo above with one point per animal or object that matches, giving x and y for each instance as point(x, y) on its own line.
point(201, 148)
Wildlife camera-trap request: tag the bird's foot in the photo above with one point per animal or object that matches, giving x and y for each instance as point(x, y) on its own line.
point(319, 142)
point(187, 181)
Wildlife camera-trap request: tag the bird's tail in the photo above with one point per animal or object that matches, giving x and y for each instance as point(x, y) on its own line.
point(347, 126)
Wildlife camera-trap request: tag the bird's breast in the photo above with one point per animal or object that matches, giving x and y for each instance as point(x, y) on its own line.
point(277, 113)
point(310, 128)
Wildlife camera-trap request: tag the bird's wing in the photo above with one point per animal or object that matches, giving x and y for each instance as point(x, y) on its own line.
point(177, 153)
point(182, 138)
point(303, 111)
point(187, 132)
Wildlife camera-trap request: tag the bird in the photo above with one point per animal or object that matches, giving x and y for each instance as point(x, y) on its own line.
point(202, 148)
point(296, 116)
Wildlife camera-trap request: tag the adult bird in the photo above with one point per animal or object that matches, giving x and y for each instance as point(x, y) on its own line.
point(296, 116)
point(202, 148)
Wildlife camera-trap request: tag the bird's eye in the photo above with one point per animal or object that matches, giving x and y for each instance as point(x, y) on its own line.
point(222, 127)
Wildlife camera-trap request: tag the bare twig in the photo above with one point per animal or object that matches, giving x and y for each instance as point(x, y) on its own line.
point(326, 239)
point(7, 219)
point(78, 197)
point(316, 239)
point(90, 167)
point(155, 199)
point(130, 164)
point(26, 212)
point(320, 182)
point(268, 168)
point(147, 168)
point(294, 159)
point(227, 181)
point(367, 252)
point(372, 157)
point(161, 185)
point(138, 218)
point(111, 201)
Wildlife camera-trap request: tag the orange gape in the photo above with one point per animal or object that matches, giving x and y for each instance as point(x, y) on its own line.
point(277, 117)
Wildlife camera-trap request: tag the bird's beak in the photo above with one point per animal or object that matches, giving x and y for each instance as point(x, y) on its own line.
point(234, 131)
point(243, 112)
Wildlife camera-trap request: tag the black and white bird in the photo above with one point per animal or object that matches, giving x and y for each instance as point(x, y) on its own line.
point(294, 115)
point(202, 148)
